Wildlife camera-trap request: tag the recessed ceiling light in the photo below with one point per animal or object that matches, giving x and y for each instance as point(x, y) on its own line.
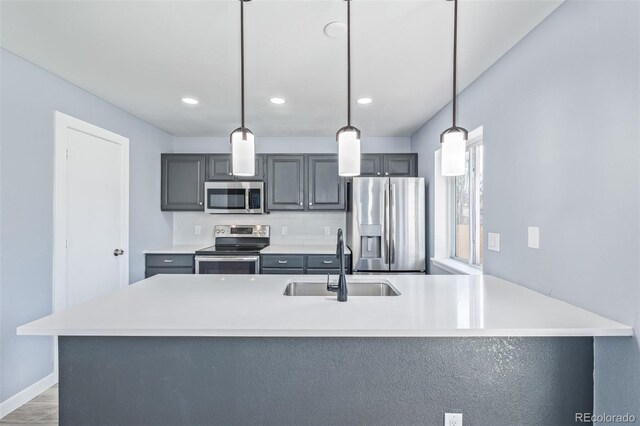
point(364, 101)
point(190, 101)
point(277, 101)
point(335, 29)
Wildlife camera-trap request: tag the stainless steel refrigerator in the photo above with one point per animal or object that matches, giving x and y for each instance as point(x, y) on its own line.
point(386, 224)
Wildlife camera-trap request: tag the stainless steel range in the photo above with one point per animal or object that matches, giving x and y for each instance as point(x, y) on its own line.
point(236, 250)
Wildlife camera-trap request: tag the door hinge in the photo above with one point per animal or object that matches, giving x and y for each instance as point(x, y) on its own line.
point(67, 153)
point(66, 243)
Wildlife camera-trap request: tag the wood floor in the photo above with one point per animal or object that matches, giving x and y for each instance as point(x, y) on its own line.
point(41, 410)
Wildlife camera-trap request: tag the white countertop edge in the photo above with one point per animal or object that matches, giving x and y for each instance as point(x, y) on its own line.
point(568, 332)
point(275, 249)
point(456, 267)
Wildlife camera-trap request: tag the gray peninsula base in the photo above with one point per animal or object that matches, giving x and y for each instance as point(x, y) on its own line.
point(324, 380)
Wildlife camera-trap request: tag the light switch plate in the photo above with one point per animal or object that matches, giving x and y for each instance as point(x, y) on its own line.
point(327, 230)
point(533, 233)
point(494, 241)
point(452, 419)
point(285, 230)
point(197, 230)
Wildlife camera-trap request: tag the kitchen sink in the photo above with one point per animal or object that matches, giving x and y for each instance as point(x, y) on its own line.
point(358, 288)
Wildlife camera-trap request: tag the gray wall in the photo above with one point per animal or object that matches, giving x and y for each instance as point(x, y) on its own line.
point(308, 145)
point(561, 131)
point(30, 95)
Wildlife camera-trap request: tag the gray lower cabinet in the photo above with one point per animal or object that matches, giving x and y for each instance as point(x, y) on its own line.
point(326, 189)
point(323, 271)
point(169, 264)
point(293, 264)
point(282, 271)
point(182, 178)
point(285, 182)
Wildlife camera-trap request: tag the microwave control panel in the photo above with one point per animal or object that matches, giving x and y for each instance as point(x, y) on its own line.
point(255, 198)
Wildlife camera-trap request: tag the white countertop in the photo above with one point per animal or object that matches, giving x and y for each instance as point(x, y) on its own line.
point(178, 249)
point(272, 249)
point(253, 305)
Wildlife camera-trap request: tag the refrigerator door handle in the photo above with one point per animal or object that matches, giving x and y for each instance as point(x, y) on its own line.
point(386, 224)
point(392, 226)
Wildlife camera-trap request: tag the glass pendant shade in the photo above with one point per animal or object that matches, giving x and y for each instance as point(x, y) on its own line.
point(243, 153)
point(454, 146)
point(348, 151)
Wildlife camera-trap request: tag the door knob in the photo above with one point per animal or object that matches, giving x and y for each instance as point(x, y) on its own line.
point(118, 252)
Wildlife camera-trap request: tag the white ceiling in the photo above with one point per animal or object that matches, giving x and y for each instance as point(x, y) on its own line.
point(144, 56)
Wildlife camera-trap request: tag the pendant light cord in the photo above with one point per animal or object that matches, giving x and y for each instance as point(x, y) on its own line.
point(244, 131)
point(349, 63)
point(455, 58)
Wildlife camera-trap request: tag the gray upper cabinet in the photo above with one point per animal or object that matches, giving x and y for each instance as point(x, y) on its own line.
point(259, 170)
point(389, 165)
point(285, 182)
point(219, 167)
point(400, 165)
point(182, 182)
point(371, 165)
point(326, 187)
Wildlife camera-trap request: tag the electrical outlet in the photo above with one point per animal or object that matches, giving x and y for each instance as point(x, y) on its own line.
point(452, 419)
point(533, 237)
point(494, 241)
point(197, 230)
point(285, 230)
point(327, 230)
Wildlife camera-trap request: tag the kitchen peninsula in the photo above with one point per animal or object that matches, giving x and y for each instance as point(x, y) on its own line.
point(196, 349)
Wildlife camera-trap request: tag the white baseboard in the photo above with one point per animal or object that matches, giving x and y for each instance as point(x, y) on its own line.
point(26, 395)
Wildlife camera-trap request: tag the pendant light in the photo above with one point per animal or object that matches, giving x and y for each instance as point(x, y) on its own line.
point(454, 139)
point(348, 137)
point(243, 148)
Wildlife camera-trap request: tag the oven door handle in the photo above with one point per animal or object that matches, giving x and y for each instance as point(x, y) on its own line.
point(226, 259)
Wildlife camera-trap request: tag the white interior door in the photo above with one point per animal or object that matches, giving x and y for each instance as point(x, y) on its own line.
point(91, 212)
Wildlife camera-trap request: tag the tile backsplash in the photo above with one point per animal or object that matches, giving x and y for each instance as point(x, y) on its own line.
point(307, 228)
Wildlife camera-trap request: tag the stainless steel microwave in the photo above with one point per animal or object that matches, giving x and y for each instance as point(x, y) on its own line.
point(234, 197)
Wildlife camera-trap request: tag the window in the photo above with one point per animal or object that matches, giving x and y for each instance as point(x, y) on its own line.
point(466, 209)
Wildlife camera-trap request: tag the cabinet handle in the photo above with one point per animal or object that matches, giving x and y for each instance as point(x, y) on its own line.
point(327, 262)
point(282, 262)
point(310, 203)
point(169, 260)
point(230, 173)
point(386, 173)
point(300, 202)
point(378, 173)
point(200, 203)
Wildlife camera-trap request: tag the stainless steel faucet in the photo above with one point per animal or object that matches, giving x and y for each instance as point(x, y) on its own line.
point(341, 287)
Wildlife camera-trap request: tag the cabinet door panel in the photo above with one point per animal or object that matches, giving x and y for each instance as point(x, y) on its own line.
point(182, 182)
point(400, 165)
point(326, 187)
point(259, 170)
point(285, 182)
point(170, 260)
point(371, 165)
point(219, 167)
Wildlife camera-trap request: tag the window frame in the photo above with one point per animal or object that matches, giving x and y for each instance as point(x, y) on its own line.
point(475, 140)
